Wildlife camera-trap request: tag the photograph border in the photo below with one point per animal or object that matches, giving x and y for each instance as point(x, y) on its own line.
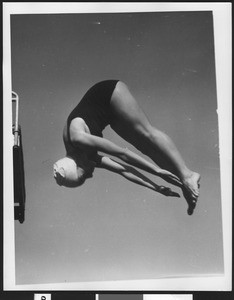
point(222, 36)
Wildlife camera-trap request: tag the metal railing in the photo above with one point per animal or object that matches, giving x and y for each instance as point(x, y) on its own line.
point(18, 165)
point(15, 98)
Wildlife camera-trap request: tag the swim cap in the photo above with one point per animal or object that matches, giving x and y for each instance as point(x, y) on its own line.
point(66, 173)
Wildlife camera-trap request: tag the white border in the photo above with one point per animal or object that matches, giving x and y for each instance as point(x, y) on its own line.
point(160, 296)
point(168, 297)
point(222, 27)
point(8, 202)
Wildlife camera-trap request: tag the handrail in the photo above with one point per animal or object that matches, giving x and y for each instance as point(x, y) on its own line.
point(15, 98)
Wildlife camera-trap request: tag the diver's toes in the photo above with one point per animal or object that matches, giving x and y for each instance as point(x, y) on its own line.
point(192, 207)
point(190, 211)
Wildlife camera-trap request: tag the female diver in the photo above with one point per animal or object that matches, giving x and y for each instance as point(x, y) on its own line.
point(110, 102)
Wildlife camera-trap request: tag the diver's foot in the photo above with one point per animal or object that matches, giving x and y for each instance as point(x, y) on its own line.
point(190, 190)
point(169, 177)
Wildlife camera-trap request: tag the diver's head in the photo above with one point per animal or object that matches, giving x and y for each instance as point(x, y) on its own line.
point(72, 171)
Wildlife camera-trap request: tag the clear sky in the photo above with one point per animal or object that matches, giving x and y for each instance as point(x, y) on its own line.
point(110, 228)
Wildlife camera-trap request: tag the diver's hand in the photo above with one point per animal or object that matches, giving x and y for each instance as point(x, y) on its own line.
point(166, 191)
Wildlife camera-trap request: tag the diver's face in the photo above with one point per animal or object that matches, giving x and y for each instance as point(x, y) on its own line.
point(85, 167)
point(88, 172)
point(89, 169)
point(85, 172)
point(88, 175)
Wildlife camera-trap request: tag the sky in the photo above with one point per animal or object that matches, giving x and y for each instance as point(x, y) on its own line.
point(111, 229)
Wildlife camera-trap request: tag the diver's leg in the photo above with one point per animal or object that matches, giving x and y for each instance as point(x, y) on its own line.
point(130, 122)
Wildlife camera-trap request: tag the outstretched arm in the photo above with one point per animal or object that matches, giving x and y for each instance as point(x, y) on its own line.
point(133, 175)
point(87, 142)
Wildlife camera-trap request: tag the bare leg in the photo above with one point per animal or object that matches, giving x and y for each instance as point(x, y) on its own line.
point(130, 123)
point(163, 151)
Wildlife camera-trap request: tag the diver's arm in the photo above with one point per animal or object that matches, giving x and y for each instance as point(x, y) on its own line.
point(86, 142)
point(132, 175)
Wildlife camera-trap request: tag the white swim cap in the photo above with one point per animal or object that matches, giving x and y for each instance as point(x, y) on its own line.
point(67, 173)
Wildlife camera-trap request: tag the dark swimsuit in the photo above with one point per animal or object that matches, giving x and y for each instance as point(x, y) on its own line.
point(94, 107)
